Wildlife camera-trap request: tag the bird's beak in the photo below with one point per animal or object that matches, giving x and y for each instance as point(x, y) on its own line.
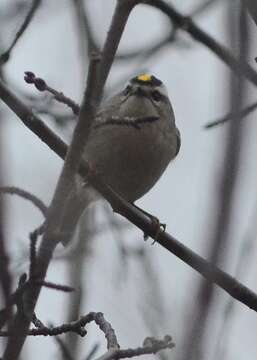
point(138, 91)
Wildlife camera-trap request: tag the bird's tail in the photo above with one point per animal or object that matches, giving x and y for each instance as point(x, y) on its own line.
point(78, 200)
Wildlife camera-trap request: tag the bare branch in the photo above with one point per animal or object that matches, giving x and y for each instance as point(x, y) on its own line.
point(32, 121)
point(24, 285)
point(37, 323)
point(150, 346)
point(54, 286)
point(33, 255)
point(187, 24)
point(25, 195)
point(119, 20)
point(13, 299)
point(34, 6)
point(41, 85)
point(92, 97)
point(168, 38)
point(219, 238)
point(77, 327)
point(85, 32)
point(105, 326)
point(231, 116)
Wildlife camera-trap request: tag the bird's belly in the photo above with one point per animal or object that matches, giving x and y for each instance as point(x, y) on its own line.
point(131, 161)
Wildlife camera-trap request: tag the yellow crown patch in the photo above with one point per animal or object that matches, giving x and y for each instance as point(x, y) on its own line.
point(144, 77)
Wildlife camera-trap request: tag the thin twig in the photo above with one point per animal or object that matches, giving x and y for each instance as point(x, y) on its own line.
point(38, 231)
point(37, 323)
point(12, 190)
point(51, 285)
point(77, 326)
point(47, 105)
point(85, 32)
point(14, 298)
point(119, 20)
point(187, 24)
point(91, 100)
point(33, 255)
point(230, 116)
point(168, 38)
point(24, 284)
point(41, 85)
point(34, 6)
point(107, 329)
point(150, 346)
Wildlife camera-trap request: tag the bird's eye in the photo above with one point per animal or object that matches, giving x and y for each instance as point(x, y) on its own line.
point(126, 91)
point(156, 96)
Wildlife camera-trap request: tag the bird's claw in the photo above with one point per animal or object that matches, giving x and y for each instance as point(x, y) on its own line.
point(158, 228)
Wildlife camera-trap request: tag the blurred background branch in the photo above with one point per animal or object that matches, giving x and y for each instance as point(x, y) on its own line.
point(219, 242)
point(35, 4)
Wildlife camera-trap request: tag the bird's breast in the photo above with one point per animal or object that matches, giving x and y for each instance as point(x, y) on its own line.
point(130, 159)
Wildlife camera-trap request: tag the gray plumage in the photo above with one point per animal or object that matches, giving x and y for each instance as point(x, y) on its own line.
point(131, 143)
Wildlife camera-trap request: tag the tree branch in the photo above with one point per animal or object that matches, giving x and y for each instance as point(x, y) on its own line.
point(134, 215)
point(77, 326)
point(92, 97)
point(34, 6)
point(119, 20)
point(41, 85)
point(230, 116)
point(219, 238)
point(187, 24)
point(25, 195)
point(54, 217)
point(150, 346)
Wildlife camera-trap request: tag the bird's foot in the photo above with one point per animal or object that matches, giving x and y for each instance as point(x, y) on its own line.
point(158, 228)
point(157, 225)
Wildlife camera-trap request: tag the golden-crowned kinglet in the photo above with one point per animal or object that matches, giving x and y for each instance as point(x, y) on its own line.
point(131, 142)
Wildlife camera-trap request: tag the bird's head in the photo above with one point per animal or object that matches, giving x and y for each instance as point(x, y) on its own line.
point(145, 95)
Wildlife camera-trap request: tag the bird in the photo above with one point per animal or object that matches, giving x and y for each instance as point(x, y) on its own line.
point(131, 142)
